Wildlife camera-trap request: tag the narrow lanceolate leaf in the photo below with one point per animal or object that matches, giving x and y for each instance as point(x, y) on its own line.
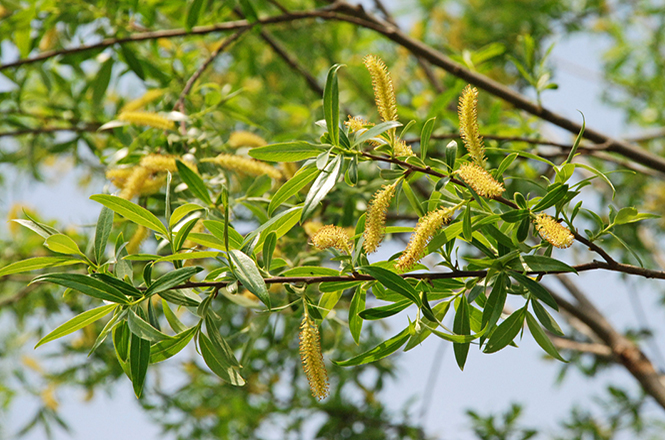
point(461, 326)
point(102, 232)
point(219, 343)
point(170, 347)
point(322, 186)
point(143, 329)
point(268, 249)
point(77, 323)
point(193, 13)
point(541, 337)
point(331, 104)
point(287, 151)
point(139, 358)
point(536, 289)
point(380, 351)
point(181, 211)
point(194, 183)
point(124, 287)
point(375, 131)
point(131, 211)
point(249, 276)
point(290, 188)
point(172, 279)
point(546, 319)
point(357, 306)
point(555, 193)
point(393, 282)
point(62, 244)
point(215, 361)
point(495, 302)
point(384, 311)
point(505, 332)
point(425, 135)
point(37, 263)
point(86, 285)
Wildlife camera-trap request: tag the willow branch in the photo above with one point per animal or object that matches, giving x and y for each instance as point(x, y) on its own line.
point(593, 348)
point(90, 127)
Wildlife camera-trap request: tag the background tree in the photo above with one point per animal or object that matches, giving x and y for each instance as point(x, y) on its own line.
point(124, 89)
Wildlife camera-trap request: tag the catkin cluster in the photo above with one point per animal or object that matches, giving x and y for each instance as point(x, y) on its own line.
point(384, 92)
point(245, 139)
point(331, 236)
point(375, 222)
point(147, 119)
point(480, 180)
point(356, 123)
point(423, 233)
point(552, 231)
point(243, 165)
point(144, 100)
point(312, 358)
point(468, 121)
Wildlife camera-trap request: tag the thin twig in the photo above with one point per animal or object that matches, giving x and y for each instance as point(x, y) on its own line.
point(594, 348)
point(89, 127)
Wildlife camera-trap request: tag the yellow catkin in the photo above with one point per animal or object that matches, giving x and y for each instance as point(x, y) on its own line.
point(245, 139)
point(468, 122)
point(159, 162)
point(147, 119)
point(119, 176)
point(356, 123)
point(244, 165)
point(153, 184)
point(375, 223)
point(331, 236)
point(139, 103)
point(384, 92)
point(402, 148)
point(137, 239)
point(135, 182)
point(312, 227)
point(480, 180)
point(553, 232)
point(49, 399)
point(312, 358)
point(421, 236)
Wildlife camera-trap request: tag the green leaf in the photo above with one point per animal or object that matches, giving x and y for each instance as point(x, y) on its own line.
point(220, 344)
point(124, 287)
point(77, 323)
point(495, 302)
point(131, 211)
point(193, 14)
point(215, 361)
point(385, 311)
point(181, 211)
point(281, 224)
point(380, 351)
point(45, 231)
point(62, 244)
point(294, 184)
point(268, 249)
point(183, 233)
point(555, 193)
point(541, 338)
point(393, 282)
point(132, 61)
point(357, 305)
point(172, 319)
point(170, 347)
point(536, 289)
point(171, 279)
point(287, 151)
point(216, 228)
point(505, 332)
point(84, 284)
point(194, 183)
point(143, 329)
point(413, 199)
point(309, 271)
point(375, 131)
point(515, 216)
point(630, 215)
point(425, 135)
point(576, 144)
point(540, 263)
point(176, 296)
point(249, 276)
point(322, 186)
point(467, 230)
point(334, 286)
point(101, 82)
point(189, 256)
point(461, 326)
point(102, 232)
point(331, 104)
point(545, 318)
point(139, 358)
point(37, 263)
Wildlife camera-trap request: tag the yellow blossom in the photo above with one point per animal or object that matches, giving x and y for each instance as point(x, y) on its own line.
point(423, 233)
point(402, 148)
point(480, 180)
point(356, 123)
point(159, 162)
point(137, 239)
point(141, 102)
point(312, 358)
point(147, 119)
point(331, 236)
point(135, 182)
point(468, 121)
point(384, 92)
point(243, 165)
point(245, 139)
point(49, 399)
point(375, 223)
point(553, 232)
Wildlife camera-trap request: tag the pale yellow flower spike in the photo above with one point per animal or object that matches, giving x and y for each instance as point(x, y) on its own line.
point(375, 223)
point(135, 182)
point(356, 123)
point(553, 232)
point(137, 239)
point(480, 180)
point(144, 100)
point(244, 165)
point(384, 92)
point(402, 148)
point(147, 119)
point(468, 124)
point(331, 236)
point(312, 358)
point(245, 139)
point(159, 162)
point(421, 236)
point(119, 176)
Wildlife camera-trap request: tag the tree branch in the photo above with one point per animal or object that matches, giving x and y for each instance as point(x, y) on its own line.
point(89, 127)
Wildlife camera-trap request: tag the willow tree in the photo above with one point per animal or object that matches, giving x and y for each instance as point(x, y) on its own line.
point(242, 213)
